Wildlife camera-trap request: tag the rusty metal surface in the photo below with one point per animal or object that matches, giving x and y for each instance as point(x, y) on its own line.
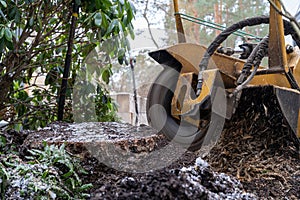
point(190, 55)
point(289, 101)
point(179, 26)
point(277, 52)
point(227, 65)
point(298, 125)
point(184, 99)
point(294, 63)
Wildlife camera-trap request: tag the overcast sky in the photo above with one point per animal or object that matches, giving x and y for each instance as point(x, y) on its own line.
point(292, 5)
point(144, 39)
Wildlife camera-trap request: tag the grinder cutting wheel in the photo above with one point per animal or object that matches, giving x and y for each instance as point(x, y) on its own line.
point(200, 87)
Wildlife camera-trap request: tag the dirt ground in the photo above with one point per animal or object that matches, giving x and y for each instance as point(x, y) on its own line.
point(182, 180)
point(257, 148)
point(269, 175)
point(256, 157)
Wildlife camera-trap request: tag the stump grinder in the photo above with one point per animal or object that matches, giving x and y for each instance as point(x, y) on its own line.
point(199, 87)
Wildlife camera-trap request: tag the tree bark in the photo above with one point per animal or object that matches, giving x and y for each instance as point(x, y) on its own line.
point(218, 15)
point(68, 62)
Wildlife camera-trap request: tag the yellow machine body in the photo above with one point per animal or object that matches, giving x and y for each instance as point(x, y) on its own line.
point(224, 70)
point(189, 56)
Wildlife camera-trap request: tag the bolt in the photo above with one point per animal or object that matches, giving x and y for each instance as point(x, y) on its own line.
point(289, 49)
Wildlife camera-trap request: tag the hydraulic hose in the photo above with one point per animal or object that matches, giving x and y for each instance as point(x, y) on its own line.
point(255, 58)
point(254, 21)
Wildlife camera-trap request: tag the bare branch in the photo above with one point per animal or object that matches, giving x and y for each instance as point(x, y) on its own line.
point(148, 23)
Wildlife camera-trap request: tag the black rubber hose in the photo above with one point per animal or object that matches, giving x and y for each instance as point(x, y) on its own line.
point(255, 58)
point(254, 21)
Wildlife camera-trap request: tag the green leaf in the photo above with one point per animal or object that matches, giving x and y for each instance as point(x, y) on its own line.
point(133, 8)
point(99, 36)
point(2, 141)
point(106, 76)
point(104, 20)
point(13, 34)
point(125, 20)
point(88, 48)
point(131, 32)
point(98, 19)
point(2, 15)
point(121, 54)
point(3, 3)
point(45, 174)
point(112, 25)
point(62, 147)
point(78, 2)
point(31, 21)
point(121, 26)
point(9, 44)
point(87, 18)
point(98, 4)
point(120, 60)
point(2, 33)
point(18, 127)
point(30, 158)
point(85, 187)
point(12, 12)
point(8, 34)
point(72, 181)
point(18, 17)
point(40, 23)
point(105, 3)
point(68, 174)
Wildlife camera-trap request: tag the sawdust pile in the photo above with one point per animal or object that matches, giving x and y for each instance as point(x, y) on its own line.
point(194, 182)
point(259, 148)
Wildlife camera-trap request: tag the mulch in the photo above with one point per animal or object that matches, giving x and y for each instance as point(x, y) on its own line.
point(257, 150)
point(256, 157)
point(258, 147)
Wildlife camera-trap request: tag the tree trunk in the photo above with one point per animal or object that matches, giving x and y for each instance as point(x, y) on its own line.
point(218, 15)
point(68, 62)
